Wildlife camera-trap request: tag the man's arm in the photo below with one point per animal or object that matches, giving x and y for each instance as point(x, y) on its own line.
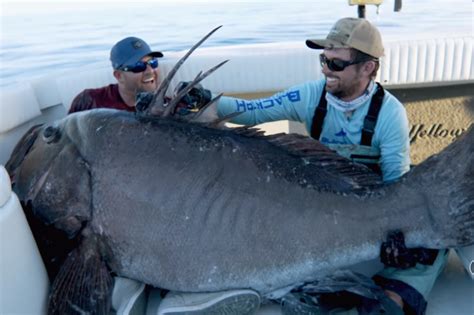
point(291, 104)
point(296, 104)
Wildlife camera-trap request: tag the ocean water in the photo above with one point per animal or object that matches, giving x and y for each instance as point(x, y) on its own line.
point(39, 38)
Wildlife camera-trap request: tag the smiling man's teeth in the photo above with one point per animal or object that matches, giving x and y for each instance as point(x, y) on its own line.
point(331, 79)
point(148, 80)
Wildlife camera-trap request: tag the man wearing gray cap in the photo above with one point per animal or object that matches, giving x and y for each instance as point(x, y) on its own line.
point(345, 108)
point(135, 67)
point(351, 113)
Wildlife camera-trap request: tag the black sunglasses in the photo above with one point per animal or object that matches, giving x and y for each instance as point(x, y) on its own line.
point(140, 66)
point(337, 64)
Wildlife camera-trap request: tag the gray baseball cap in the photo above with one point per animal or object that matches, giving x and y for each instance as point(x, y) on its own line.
point(129, 51)
point(354, 33)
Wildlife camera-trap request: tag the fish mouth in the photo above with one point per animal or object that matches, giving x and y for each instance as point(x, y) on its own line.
point(20, 152)
point(37, 185)
point(14, 165)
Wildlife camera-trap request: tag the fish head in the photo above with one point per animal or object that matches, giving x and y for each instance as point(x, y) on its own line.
point(50, 177)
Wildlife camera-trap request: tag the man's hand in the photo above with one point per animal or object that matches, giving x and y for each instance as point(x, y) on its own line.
point(192, 101)
point(143, 101)
point(395, 297)
point(394, 253)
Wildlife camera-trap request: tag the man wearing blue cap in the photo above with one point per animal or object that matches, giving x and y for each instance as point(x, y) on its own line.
point(136, 70)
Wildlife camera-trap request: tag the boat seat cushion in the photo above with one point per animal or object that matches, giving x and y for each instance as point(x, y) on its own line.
point(17, 107)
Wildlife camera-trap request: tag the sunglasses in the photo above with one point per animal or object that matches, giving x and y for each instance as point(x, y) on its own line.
point(337, 64)
point(140, 66)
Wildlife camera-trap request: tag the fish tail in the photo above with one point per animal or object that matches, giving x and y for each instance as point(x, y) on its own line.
point(447, 180)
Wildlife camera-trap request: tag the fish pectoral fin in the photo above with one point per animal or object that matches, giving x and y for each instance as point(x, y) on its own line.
point(83, 284)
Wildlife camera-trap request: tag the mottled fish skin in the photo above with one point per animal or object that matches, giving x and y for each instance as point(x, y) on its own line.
point(185, 207)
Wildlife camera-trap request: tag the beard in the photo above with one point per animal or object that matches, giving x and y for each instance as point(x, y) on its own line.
point(345, 90)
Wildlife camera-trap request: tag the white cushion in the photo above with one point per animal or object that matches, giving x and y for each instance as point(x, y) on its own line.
point(466, 255)
point(71, 85)
point(24, 282)
point(128, 296)
point(5, 186)
point(46, 91)
point(17, 106)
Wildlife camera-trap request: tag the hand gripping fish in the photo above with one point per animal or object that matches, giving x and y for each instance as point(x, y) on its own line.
point(185, 206)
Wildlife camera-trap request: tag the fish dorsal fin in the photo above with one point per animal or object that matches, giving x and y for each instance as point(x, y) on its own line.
point(294, 143)
point(301, 145)
point(249, 131)
point(346, 175)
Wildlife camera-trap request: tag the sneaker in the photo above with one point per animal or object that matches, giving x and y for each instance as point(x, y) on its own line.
point(238, 302)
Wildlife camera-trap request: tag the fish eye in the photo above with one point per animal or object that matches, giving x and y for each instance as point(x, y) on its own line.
point(51, 134)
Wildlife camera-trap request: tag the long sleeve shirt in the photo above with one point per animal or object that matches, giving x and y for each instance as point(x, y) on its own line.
point(104, 97)
point(298, 103)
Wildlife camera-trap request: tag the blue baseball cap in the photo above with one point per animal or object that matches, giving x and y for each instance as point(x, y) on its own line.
point(129, 51)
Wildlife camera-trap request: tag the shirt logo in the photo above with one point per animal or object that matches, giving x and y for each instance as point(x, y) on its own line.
point(262, 104)
point(340, 138)
point(341, 133)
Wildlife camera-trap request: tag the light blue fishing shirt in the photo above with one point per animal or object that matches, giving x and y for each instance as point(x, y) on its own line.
point(298, 103)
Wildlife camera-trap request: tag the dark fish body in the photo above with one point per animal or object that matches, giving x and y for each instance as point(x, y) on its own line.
point(158, 198)
point(185, 207)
